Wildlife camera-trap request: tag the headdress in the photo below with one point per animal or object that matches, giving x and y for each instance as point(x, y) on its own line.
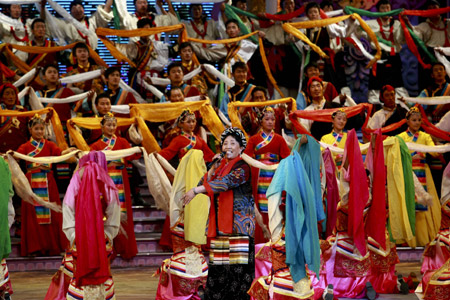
point(413, 110)
point(260, 113)
point(236, 133)
point(339, 111)
point(184, 115)
point(108, 117)
point(36, 119)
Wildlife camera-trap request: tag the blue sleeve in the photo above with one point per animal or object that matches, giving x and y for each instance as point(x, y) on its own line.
point(224, 105)
point(301, 101)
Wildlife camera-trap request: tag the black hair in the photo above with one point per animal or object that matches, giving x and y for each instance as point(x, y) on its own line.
point(102, 95)
point(311, 64)
point(382, 2)
point(111, 70)
point(144, 21)
point(169, 91)
point(185, 45)
point(259, 89)
point(38, 20)
point(50, 66)
point(231, 21)
point(239, 65)
point(75, 2)
point(235, 2)
point(311, 5)
point(79, 45)
point(432, 2)
point(175, 64)
point(437, 63)
point(325, 3)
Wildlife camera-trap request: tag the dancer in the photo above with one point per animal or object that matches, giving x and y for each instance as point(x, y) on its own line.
point(124, 243)
point(337, 137)
point(41, 228)
point(269, 148)
point(231, 224)
point(91, 220)
point(428, 218)
point(183, 276)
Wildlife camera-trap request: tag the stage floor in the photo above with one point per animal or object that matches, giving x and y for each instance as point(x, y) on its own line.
point(134, 284)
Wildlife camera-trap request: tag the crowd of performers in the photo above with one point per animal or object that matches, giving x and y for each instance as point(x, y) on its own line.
point(292, 204)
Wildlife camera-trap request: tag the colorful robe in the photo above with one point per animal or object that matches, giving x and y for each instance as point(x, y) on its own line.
point(124, 245)
point(41, 228)
point(268, 149)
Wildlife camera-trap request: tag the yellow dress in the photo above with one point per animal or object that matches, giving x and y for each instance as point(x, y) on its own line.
point(427, 222)
point(337, 140)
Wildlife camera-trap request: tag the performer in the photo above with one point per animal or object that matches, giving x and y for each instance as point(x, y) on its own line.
point(11, 35)
point(91, 220)
point(175, 74)
point(291, 248)
point(428, 218)
point(200, 28)
point(54, 89)
point(13, 130)
point(186, 140)
point(84, 64)
point(124, 244)
point(7, 219)
point(199, 81)
point(231, 221)
point(347, 262)
point(41, 228)
point(269, 148)
point(390, 113)
point(338, 136)
point(436, 257)
point(117, 95)
point(183, 276)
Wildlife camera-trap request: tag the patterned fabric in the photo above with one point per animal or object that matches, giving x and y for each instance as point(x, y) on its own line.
point(39, 185)
point(192, 141)
point(264, 179)
point(266, 139)
point(231, 281)
point(5, 283)
point(418, 169)
point(80, 293)
point(115, 172)
point(110, 142)
point(338, 137)
point(229, 250)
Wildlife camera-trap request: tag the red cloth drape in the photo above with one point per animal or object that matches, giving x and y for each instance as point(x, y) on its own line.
point(332, 191)
point(286, 17)
point(92, 263)
point(376, 218)
point(359, 191)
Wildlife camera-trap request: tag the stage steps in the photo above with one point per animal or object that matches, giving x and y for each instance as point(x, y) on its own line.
point(148, 225)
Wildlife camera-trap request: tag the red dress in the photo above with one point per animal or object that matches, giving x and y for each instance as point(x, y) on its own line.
point(181, 145)
point(268, 149)
point(41, 228)
point(13, 131)
point(124, 245)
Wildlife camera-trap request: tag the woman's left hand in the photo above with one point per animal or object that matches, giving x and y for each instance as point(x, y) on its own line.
point(187, 198)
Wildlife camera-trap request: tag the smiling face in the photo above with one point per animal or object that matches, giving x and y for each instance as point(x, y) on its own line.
point(103, 106)
point(288, 6)
point(312, 71)
point(77, 12)
point(37, 131)
point(339, 121)
point(414, 122)
point(240, 75)
point(233, 30)
point(231, 147)
point(9, 97)
point(109, 128)
point(268, 121)
point(188, 124)
point(176, 95)
point(316, 90)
